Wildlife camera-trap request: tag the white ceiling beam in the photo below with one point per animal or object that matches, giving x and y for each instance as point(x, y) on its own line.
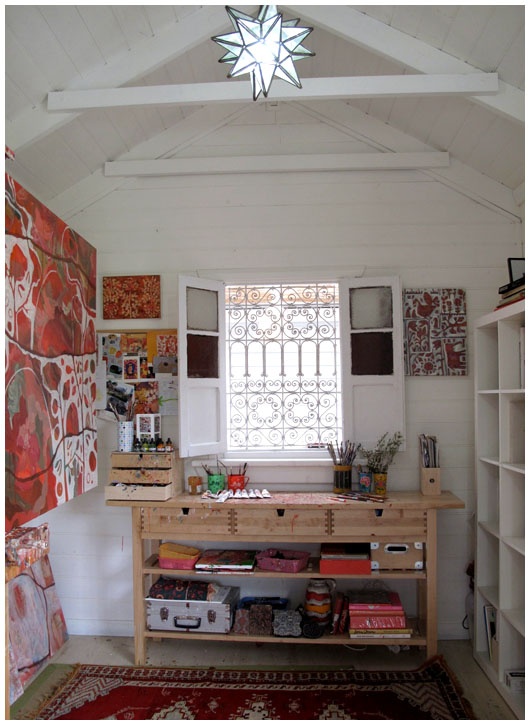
point(312, 89)
point(138, 61)
point(195, 126)
point(274, 164)
point(377, 37)
point(383, 137)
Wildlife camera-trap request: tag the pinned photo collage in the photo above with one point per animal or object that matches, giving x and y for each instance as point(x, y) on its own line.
point(138, 369)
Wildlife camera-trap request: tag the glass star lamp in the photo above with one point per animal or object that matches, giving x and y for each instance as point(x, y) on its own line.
point(264, 47)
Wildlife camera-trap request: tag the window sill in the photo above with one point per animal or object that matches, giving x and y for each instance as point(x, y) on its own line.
point(267, 462)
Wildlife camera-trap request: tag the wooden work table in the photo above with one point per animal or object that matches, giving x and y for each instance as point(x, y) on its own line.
point(406, 516)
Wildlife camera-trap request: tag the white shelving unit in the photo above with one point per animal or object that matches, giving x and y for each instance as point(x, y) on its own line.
point(500, 494)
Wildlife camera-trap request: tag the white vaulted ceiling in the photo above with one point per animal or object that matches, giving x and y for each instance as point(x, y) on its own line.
point(65, 66)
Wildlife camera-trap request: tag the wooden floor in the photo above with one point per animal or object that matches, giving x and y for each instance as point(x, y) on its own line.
point(486, 702)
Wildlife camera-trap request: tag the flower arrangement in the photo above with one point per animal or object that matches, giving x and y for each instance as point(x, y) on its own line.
point(379, 458)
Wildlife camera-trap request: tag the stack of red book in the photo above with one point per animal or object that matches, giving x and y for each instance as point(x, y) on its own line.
point(377, 613)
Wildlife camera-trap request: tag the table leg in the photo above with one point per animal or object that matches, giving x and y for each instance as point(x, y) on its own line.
point(138, 588)
point(431, 613)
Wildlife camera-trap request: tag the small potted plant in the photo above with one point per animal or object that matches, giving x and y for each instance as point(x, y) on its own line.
point(379, 458)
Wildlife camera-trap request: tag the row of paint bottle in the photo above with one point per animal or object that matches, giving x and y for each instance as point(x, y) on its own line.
point(152, 445)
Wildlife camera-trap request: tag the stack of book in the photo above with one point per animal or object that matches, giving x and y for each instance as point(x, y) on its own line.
point(377, 613)
point(511, 292)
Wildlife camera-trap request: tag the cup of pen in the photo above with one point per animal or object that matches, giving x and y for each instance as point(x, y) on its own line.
point(216, 482)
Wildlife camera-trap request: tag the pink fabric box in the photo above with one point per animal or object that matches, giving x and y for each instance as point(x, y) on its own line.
point(282, 560)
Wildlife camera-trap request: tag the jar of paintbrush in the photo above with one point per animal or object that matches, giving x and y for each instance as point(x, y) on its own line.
point(342, 455)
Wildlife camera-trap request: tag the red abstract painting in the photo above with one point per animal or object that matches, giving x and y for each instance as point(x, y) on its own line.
point(131, 297)
point(435, 327)
point(50, 295)
point(37, 627)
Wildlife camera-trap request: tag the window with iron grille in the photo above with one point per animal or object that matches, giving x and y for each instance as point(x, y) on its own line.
point(283, 366)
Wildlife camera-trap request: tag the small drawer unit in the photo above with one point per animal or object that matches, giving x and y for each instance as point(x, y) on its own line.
point(144, 476)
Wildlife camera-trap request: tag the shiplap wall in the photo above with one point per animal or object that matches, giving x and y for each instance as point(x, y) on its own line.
point(384, 223)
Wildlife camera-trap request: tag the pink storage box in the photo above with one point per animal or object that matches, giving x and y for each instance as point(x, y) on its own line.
point(170, 563)
point(282, 560)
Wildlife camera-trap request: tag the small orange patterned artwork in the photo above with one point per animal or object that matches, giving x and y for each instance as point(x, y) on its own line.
point(131, 297)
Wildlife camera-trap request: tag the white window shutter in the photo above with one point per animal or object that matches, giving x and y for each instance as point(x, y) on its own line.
point(202, 367)
point(371, 322)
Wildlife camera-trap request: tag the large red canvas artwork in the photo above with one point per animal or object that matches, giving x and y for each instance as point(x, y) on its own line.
point(50, 293)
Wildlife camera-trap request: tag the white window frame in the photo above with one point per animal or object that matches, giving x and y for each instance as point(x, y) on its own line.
point(380, 398)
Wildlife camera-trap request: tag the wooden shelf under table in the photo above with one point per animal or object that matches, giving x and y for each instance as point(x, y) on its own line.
point(289, 518)
point(311, 571)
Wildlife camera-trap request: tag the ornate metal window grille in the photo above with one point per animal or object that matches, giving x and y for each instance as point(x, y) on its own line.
point(283, 366)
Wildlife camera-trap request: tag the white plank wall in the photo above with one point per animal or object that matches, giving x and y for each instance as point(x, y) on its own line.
point(400, 222)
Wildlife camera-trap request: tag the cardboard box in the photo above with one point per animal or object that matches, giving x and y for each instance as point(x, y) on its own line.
point(189, 615)
point(407, 555)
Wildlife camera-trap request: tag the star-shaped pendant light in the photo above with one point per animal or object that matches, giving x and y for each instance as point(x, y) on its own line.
point(264, 47)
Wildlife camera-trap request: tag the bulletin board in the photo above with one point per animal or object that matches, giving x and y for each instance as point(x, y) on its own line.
point(137, 370)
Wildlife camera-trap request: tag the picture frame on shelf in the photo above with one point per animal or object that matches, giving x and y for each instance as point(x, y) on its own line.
point(148, 425)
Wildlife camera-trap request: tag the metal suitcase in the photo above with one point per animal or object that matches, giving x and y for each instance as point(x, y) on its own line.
point(193, 616)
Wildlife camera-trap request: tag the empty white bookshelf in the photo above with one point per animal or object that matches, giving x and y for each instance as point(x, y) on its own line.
point(500, 496)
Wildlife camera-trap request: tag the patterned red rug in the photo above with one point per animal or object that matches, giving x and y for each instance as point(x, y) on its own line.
point(95, 692)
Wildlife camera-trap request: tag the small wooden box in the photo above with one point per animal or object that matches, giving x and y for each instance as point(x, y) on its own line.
point(430, 481)
point(405, 555)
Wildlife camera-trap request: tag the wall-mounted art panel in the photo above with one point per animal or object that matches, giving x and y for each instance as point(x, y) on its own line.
point(50, 338)
point(435, 327)
point(131, 297)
